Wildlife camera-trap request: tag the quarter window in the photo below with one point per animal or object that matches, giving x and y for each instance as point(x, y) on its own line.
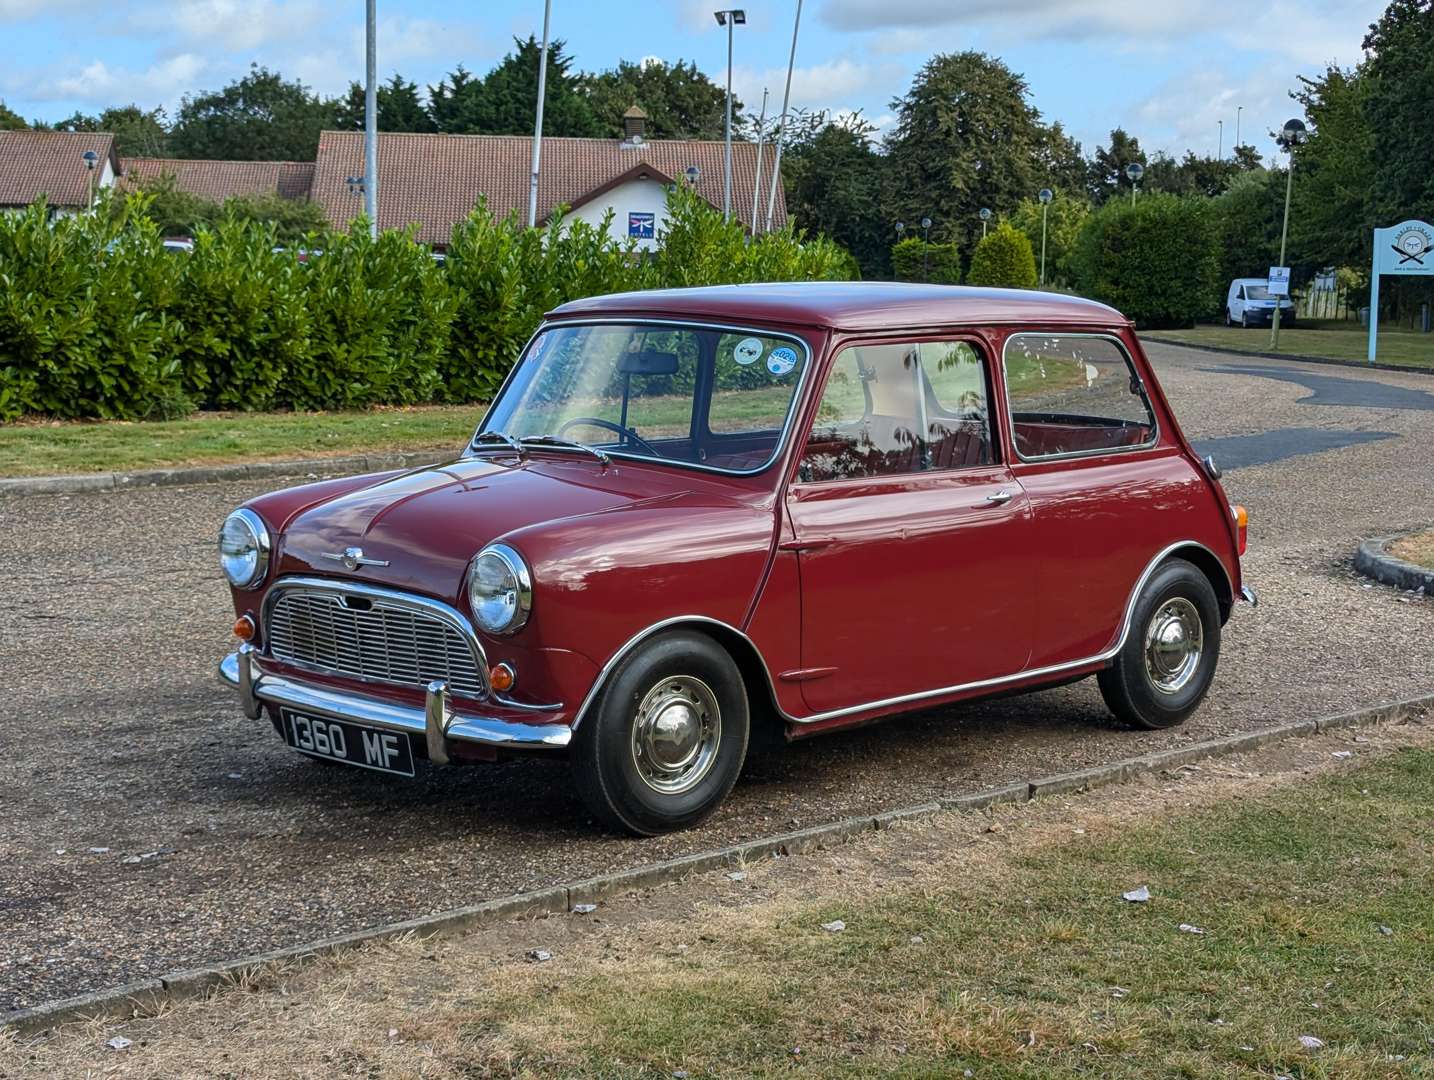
point(900, 408)
point(1072, 395)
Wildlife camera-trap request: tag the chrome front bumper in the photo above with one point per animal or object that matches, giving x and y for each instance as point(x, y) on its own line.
point(436, 722)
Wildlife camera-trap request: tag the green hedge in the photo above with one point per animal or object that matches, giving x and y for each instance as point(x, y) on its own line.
point(1157, 261)
point(97, 319)
point(912, 260)
point(1003, 259)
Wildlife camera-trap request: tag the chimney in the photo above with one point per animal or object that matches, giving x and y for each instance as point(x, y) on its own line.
point(634, 124)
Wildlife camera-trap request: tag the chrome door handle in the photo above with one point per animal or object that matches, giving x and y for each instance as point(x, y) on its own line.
point(999, 498)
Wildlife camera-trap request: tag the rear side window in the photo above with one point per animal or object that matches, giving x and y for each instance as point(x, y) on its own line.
point(900, 408)
point(1074, 395)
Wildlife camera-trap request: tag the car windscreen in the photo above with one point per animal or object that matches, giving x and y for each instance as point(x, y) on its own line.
point(1257, 292)
point(691, 395)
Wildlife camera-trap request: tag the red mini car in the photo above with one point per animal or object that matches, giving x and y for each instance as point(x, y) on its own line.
point(692, 514)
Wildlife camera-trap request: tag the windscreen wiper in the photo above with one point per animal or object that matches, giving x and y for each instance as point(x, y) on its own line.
point(494, 436)
point(554, 440)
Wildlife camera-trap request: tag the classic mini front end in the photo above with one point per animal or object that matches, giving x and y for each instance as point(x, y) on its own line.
point(696, 514)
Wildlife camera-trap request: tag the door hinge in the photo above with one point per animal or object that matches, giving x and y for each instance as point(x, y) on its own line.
point(809, 543)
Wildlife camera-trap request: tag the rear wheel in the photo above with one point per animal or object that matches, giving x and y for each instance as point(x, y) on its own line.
point(1167, 663)
point(666, 740)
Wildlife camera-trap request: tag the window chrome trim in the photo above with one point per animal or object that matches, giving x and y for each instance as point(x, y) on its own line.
point(1150, 444)
point(335, 586)
point(903, 699)
point(692, 324)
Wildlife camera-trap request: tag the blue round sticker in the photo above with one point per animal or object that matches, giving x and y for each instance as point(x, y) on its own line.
point(781, 360)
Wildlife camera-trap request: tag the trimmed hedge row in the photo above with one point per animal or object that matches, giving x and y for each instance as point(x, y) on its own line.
point(98, 319)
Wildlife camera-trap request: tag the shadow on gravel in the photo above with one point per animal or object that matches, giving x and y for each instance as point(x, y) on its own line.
point(1242, 451)
point(1333, 390)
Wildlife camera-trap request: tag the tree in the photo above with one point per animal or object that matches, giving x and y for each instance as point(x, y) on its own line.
point(1065, 216)
point(1060, 165)
point(11, 120)
point(504, 102)
point(833, 181)
point(399, 107)
point(1401, 69)
point(182, 213)
point(965, 137)
point(680, 101)
point(1248, 218)
point(1003, 259)
point(137, 133)
point(1107, 168)
point(1335, 172)
point(1191, 175)
point(261, 117)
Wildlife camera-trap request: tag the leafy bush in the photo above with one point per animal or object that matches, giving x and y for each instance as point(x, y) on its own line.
point(1003, 259)
point(182, 213)
point(97, 319)
point(1158, 260)
point(85, 323)
point(913, 260)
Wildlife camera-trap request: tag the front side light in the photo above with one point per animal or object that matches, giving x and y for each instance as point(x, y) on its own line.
point(500, 589)
point(244, 549)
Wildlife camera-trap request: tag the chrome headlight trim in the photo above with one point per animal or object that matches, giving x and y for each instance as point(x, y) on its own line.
point(516, 568)
point(262, 546)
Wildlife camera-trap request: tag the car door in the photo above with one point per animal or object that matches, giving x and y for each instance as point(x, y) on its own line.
point(913, 536)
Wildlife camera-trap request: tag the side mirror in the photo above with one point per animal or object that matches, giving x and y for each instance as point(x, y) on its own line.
point(648, 362)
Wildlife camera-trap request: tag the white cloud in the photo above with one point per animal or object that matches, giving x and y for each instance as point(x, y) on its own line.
point(231, 25)
point(1184, 112)
point(819, 86)
point(99, 84)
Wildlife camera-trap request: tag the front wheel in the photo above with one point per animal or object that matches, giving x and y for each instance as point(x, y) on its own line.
point(1167, 663)
point(665, 741)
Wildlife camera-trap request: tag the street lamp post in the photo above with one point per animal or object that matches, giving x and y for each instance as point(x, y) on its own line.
point(1135, 170)
point(537, 160)
point(1046, 195)
point(731, 18)
point(370, 118)
point(91, 159)
point(782, 130)
point(1293, 134)
point(1220, 153)
point(761, 134)
point(926, 249)
point(1238, 110)
point(985, 216)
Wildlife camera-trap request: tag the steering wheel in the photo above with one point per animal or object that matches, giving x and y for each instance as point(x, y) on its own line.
point(618, 429)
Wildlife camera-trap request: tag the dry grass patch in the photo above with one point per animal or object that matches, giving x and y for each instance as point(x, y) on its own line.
point(993, 942)
point(1418, 549)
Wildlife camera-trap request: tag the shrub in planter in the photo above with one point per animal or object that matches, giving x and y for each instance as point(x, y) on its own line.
point(1003, 259)
point(911, 260)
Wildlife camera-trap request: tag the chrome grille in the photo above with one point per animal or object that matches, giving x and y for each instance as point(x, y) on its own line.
point(368, 637)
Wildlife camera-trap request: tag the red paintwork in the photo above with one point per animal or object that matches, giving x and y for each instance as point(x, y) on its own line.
point(855, 591)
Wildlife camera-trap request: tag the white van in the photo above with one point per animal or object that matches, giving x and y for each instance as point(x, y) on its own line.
point(1249, 303)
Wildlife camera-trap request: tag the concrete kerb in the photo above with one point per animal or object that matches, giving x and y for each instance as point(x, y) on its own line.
point(1327, 361)
point(213, 474)
point(1372, 559)
point(142, 998)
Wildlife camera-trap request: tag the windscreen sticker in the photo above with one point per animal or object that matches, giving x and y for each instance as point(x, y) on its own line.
point(781, 361)
point(748, 351)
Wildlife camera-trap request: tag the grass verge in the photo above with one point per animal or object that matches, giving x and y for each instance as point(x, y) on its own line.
point(998, 944)
point(1418, 549)
point(45, 449)
point(1331, 341)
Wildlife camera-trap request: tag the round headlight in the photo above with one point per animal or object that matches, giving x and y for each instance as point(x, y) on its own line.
point(500, 590)
point(244, 549)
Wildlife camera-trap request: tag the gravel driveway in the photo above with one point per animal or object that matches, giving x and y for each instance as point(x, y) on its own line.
point(146, 826)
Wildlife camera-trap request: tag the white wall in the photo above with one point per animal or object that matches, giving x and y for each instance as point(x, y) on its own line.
point(635, 196)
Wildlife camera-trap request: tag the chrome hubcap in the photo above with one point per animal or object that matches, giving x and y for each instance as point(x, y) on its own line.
point(1174, 641)
point(676, 734)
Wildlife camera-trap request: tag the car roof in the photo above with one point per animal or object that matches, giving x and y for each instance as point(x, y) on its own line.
point(851, 305)
point(1250, 281)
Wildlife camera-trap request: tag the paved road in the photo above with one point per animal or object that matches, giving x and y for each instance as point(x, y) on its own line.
point(146, 826)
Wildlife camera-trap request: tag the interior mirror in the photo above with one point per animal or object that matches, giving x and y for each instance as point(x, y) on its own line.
point(648, 362)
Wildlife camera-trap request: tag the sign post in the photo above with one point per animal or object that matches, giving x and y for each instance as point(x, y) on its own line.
point(1407, 248)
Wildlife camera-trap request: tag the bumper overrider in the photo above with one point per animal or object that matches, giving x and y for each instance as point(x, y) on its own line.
point(436, 723)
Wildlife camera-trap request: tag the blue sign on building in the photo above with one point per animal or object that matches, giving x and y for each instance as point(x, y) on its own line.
point(642, 226)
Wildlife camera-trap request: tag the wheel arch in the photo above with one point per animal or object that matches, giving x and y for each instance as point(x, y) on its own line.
point(1205, 560)
point(757, 680)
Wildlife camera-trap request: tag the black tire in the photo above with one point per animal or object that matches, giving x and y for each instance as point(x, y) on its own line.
point(620, 783)
point(1143, 686)
point(1228, 320)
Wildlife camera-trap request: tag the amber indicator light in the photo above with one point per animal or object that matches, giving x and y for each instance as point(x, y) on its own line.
point(503, 677)
point(1242, 522)
point(244, 628)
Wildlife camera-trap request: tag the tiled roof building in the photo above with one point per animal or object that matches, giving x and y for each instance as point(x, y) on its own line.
point(220, 180)
point(52, 164)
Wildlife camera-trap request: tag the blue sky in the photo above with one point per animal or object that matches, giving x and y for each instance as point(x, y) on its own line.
point(1167, 70)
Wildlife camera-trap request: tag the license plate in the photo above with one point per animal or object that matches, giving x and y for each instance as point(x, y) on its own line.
point(353, 744)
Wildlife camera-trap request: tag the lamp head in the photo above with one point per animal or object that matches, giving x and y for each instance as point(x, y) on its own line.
point(926, 223)
point(693, 174)
point(900, 227)
point(91, 159)
point(985, 213)
point(1046, 195)
point(1294, 133)
point(1135, 170)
